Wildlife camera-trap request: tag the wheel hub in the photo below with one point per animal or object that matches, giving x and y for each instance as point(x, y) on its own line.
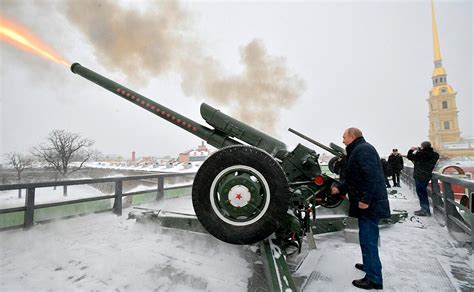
point(239, 196)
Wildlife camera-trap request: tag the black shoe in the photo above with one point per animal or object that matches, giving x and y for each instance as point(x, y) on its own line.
point(366, 284)
point(359, 266)
point(422, 213)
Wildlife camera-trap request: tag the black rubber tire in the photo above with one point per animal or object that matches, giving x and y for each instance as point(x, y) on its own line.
point(272, 173)
point(332, 165)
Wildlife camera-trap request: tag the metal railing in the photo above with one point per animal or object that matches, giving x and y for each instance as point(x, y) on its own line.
point(443, 201)
point(30, 206)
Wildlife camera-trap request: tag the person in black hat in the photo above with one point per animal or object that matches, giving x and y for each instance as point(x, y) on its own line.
point(395, 161)
point(424, 158)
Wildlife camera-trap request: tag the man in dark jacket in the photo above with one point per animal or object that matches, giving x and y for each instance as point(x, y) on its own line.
point(365, 184)
point(395, 160)
point(424, 158)
point(386, 172)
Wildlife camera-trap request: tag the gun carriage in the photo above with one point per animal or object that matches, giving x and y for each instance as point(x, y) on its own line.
point(252, 186)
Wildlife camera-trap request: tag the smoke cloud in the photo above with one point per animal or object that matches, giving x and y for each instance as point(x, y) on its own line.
point(158, 40)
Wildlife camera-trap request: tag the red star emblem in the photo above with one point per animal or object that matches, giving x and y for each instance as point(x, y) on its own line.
point(238, 196)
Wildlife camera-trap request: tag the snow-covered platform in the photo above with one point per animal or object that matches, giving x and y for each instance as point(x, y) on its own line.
point(417, 254)
point(103, 252)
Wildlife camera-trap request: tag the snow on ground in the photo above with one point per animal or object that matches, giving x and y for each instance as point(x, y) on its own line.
point(9, 199)
point(190, 167)
point(182, 204)
point(417, 255)
point(103, 252)
point(145, 188)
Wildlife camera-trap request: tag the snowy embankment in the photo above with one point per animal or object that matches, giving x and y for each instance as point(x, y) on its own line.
point(9, 199)
point(190, 167)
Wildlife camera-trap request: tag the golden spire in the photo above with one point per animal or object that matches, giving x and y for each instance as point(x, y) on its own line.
point(437, 52)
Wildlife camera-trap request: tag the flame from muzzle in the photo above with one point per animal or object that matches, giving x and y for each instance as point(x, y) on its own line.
point(20, 37)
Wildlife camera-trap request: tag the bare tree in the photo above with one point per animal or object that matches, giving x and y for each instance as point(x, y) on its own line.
point(64, 151)
point(19, 162)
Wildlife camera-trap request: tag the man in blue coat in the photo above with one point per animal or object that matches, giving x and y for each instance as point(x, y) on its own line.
point(424, 159)
point(365, 184)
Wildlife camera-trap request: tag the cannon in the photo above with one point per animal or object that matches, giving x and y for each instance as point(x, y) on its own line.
point(252, 186)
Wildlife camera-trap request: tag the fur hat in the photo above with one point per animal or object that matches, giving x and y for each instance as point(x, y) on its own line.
point(425, 144)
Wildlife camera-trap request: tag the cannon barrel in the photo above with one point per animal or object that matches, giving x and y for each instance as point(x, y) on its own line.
point(225, 126)
point(333, 149)
point(235, 128)
point(214, 138)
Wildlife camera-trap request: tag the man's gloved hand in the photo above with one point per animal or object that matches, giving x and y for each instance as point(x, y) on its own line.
point(336, 192)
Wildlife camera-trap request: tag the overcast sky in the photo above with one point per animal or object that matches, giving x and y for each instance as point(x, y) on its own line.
point(325, 65)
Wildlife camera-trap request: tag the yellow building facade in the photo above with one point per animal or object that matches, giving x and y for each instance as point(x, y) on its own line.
point(444, 132)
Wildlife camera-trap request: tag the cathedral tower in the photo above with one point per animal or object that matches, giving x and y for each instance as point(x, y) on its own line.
point(443, 113)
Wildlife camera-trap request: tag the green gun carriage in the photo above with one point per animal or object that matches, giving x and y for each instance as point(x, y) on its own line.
point(252, 186)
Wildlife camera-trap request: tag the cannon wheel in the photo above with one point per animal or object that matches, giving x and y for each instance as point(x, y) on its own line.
point(332, 165)
point(240, 194)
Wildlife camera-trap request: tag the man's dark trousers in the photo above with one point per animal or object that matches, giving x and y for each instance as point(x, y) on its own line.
point(396, 178)
point(423, 194)
point(369, 239)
